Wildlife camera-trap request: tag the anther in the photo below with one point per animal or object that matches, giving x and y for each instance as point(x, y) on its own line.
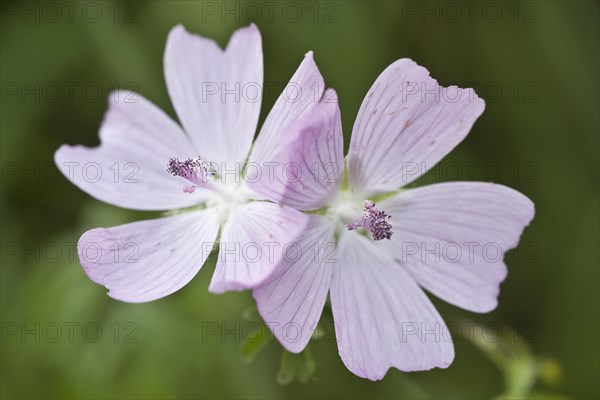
point(194, 170)
point(375, 221)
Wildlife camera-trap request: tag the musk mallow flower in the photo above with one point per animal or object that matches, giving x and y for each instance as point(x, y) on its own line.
point(146, 161)
point(392, 243)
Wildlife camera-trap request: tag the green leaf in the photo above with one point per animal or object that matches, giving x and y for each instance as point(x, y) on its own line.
point(254, 342)
point(251, 313)
point(301, 367)
point(521, 368)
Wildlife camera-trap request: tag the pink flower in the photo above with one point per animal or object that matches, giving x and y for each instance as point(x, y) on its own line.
point(146, 161)
point(390, 244)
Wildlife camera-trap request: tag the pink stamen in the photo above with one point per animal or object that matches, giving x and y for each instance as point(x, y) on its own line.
point(194, 170)
point(375, 221)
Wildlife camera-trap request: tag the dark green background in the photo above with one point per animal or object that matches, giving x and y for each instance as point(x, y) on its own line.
point(540, 131)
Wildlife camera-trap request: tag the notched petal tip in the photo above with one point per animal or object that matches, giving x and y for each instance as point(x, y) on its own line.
point(180, 39)
point(408, 61)
point(175, 32)
point(89, 242)
point(65, 156)
point(147, 260)
point(249, 34)
point(60, 153)
point(178, 27)
point(409, 64)
point(525, 205)
point(122, 96)
point(528, 206)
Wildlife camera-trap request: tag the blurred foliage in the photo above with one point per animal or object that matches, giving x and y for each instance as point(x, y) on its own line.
point(520, 368)
point(536, 66)
point(301, 367)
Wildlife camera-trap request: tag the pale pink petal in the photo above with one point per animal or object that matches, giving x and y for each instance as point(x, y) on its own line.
point(382, 318)
point(307, 170)
point(147, 260)
point(406, 124)
point(129, 168)
point(253, 243)
point(217, 94)
point(304, 90)
point(291, 303)
point(452, 238)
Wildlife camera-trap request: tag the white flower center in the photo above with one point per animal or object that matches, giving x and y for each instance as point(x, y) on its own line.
point(352, 213)
point(227, 191)
point(344, 208)
point(227, 197)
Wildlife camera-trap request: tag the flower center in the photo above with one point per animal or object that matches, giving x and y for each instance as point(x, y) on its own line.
point(346, 211)
point(375, 221)
point(226, 196)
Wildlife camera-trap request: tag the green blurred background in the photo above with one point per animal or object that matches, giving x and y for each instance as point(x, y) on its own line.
point(535, 63)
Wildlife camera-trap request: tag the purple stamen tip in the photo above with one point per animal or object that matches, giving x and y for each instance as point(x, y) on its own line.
point(375, 221)
point(184, 169)
point(193, 169)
